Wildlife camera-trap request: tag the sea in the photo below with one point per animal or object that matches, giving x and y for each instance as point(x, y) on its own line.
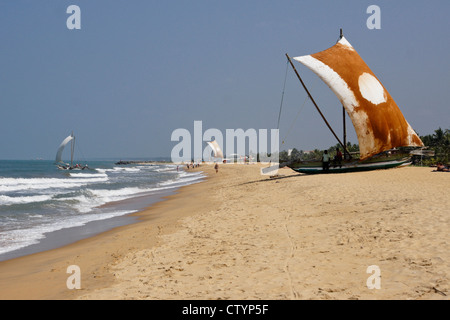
point(43, 207)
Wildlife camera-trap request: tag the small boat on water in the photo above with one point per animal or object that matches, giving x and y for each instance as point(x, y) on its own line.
point(68, 166)
point(385, 137)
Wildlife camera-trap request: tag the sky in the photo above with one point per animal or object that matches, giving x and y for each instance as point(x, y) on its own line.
point(138, 70)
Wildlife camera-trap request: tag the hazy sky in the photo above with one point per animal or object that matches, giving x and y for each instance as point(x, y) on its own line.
point(138, 70)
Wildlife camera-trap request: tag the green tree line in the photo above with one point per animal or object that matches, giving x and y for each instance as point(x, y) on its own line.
point(439, 142)
point(316, 154)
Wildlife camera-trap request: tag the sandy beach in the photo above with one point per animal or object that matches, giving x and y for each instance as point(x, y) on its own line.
point(241, 235)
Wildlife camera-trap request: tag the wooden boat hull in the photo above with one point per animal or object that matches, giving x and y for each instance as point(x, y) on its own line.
point(352, 167)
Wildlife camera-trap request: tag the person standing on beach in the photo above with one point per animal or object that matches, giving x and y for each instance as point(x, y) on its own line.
point(338, 158)
point(325, 160)
point(216, 167)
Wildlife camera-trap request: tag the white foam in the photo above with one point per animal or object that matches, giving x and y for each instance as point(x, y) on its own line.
point(172, 169)
point(184, 178)
point(96, 197)
point(73, 200)
point(117, 195)
point(20, 238)
point(89, 175)
point(92, 198)
point(22, 184)
point(7, 200)
point(126, 169)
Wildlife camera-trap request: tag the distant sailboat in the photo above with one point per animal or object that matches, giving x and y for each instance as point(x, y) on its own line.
point(216, 149)
point(378, 122)
point(58, 160)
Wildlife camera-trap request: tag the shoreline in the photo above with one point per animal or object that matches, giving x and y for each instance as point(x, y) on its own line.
point(111, 213)
point(66, 236)
point(239, 235)
point(42, 275)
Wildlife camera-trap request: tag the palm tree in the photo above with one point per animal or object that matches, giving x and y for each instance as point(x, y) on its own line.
point(439, 141)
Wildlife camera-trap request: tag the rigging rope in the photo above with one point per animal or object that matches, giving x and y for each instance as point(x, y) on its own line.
point(282, 95)
point(293, 122)
point(298, 113)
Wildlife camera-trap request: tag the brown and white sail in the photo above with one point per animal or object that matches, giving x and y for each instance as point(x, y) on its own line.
point(378, 122)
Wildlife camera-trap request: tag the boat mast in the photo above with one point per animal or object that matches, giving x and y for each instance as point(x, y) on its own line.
point(315, 104)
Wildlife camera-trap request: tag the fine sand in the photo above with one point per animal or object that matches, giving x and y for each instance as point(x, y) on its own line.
point(241, 235)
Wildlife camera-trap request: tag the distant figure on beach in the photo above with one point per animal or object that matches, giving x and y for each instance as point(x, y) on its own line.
point(441, 167)
point(338, 158)
point(325, 161)
point(216, 167)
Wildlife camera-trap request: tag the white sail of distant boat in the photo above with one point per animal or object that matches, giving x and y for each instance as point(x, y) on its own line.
point(61, 149)
point(216, 149)
point(58, 159)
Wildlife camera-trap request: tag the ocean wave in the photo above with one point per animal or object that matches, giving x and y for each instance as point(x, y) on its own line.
point(88, 175)
point(88, 199)
point(16, 239)
point(119, 169)
point(33, 206)
point(22, 184)
point(100, 197)
point(133, 169)
point(112, 194)
point(184, 178)
point(92, 198)
point(103, 196)
point(170, 170)
point(7, 200)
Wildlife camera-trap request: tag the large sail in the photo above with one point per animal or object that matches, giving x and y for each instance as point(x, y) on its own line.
point(378, 122)
point(216, 149)
point(61, 148)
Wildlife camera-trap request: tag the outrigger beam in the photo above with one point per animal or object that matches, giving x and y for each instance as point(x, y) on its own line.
point(315, 104)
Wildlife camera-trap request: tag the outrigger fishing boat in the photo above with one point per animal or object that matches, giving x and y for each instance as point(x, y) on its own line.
point(383, 133)
point(68, 166)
